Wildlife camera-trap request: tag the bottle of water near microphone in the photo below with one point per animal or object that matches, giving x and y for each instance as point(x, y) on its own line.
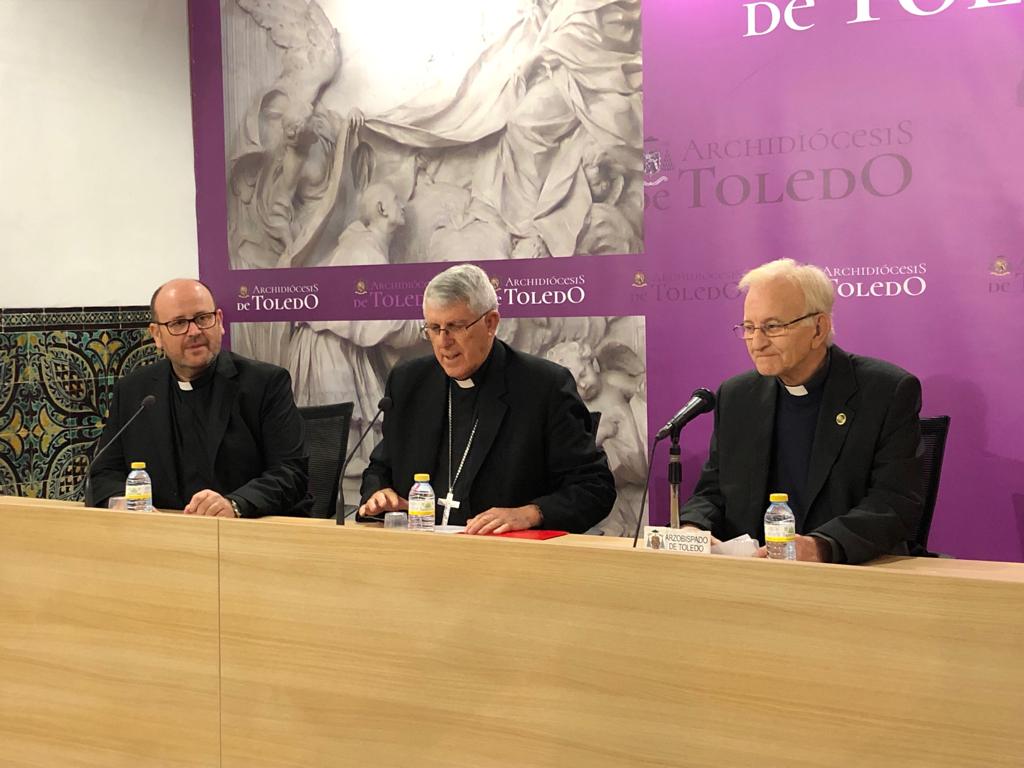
point(422, 504)
point(780, 528)
point(138, 489)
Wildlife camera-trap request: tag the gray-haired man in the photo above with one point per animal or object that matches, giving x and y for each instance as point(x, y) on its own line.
point(504, 435)
point(838, 432)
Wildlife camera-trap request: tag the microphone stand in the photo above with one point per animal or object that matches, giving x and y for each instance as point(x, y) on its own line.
point(643, 499)
point(675, 477)
point(702, 401)
point(86, 485)
point(383, 405)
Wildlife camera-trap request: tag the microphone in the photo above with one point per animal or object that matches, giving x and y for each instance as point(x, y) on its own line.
point(702, 401)
point(382, 407)
point(147, 401)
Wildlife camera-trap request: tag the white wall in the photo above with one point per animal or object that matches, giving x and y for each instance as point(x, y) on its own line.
point(97, 189)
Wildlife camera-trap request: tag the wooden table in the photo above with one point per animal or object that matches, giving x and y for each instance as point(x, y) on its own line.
point(342, 646)
point(109, 644)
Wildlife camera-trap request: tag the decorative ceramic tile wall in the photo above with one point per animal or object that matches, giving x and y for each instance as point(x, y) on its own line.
point(57, 372)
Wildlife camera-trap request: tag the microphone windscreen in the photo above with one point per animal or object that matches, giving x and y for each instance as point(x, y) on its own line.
point(384, 404)
point(706, 395)
point(148, 400)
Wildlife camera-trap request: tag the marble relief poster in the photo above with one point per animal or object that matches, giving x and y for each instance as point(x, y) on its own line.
point(491, 132)
point(471, 131)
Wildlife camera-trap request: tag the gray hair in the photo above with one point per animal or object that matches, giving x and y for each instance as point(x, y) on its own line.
point(818, 290)
point(462, 283)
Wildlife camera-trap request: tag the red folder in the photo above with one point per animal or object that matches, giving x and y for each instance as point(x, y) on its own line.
point(531, 533)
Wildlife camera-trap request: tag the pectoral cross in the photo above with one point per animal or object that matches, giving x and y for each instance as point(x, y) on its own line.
point(449, 503)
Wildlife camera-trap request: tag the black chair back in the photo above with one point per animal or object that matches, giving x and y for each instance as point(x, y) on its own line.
point(326, 429)
point(934, 431)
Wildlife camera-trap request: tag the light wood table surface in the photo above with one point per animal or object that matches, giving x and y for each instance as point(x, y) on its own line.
point(109, 651)
point(131, 639)
point(477, 651)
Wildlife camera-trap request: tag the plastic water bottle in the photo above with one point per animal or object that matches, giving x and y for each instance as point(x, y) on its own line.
point(138, 490)
point(422, 504)
point(780, 528)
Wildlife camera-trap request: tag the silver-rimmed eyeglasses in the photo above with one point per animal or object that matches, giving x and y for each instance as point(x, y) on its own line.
point(771, 329)
point(179, 326)
point(433, 331)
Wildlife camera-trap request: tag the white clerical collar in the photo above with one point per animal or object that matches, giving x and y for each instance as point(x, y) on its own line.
point(465, 383)
point(816, 381)
point(184, 386)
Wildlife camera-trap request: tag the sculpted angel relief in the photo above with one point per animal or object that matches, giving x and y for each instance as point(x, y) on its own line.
point(533, 150)
point(537, 152)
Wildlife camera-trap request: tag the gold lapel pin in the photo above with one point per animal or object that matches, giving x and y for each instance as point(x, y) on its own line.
point(840, 419)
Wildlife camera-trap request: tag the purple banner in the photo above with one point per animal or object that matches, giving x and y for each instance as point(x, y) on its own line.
point(882, 141)
point(888, 152)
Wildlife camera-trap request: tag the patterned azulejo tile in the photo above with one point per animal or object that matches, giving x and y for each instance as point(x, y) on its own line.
point(57, 373)
point(19, 425)
point(101, 317)
point(40, 319)
point(63, 318)
point(135, 317)
point(24, 319)
point(8, 478)
point(30, 490)
point(66, 464)
point(10, 364)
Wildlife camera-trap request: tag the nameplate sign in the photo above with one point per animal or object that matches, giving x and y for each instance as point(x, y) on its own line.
point(677, 540)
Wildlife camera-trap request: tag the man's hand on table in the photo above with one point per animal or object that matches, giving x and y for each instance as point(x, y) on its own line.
point(209, 503)
point(505, 519)
point(384, 500)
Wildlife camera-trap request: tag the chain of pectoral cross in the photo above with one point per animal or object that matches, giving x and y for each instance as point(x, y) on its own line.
point(448, 502)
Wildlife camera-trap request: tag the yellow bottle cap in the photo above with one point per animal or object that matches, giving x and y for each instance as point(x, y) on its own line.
point(422, 477)
point(778, 497)
point(138, 465)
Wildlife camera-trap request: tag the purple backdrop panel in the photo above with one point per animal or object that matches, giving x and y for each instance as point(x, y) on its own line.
point(887, 151)
point(208, 141)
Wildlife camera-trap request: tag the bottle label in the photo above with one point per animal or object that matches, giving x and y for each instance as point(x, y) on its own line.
point(779, 533)
point(421, 507)
point(138, 493)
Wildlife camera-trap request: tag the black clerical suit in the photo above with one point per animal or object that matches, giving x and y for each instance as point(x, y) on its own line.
point(251, 447)
point(863, 486)
point(533, 443)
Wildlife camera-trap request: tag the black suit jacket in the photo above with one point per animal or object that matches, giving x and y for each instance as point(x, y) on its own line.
point(533, 444)
point(864, 481)
point(256, 436)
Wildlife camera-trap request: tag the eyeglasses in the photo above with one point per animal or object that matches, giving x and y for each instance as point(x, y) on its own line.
point(180, 326)
point(770, 329)
point(433, 331)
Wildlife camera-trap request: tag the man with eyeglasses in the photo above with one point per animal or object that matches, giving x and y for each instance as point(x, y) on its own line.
point(506, 439)
point(222, 437)
point(838, 432)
